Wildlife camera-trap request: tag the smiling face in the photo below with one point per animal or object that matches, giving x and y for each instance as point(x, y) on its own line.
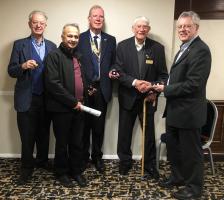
point(186, 29)
point(140, 30)
point(37, 24)
point(96, 20)
point(70, 37)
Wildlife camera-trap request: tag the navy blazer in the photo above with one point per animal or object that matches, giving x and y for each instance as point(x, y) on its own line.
point(107, 60)
point(127, 63)
point(186, 93)
point(21, 52)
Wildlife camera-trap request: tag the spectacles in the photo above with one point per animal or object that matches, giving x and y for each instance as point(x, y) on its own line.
point(34, 23)
point(185, 26)
point(145, 27)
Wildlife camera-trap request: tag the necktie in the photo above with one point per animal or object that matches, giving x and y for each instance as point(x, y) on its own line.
point(95, 41)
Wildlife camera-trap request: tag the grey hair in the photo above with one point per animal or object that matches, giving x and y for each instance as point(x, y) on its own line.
point(142, 18)
point(71, 24)
point(95, 7)
point(37, 12)
point(193, 15)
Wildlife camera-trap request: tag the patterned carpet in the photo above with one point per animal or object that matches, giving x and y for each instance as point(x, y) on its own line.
point(109, 186)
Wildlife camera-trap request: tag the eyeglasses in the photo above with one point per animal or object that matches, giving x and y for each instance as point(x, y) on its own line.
point(185, 26)
point(145, 27)
point(34, 23)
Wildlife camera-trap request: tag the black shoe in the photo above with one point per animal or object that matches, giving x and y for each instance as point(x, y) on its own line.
point(80, 180)
point(85, 164)
point(186, 193)
point(25, 176)
point(124, 169)
point(170, 182)
point(65, 181)
point(152, 173)
point(46, 166)
point(99, 165)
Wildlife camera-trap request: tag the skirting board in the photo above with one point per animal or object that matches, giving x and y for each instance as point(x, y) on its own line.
point(135, 157)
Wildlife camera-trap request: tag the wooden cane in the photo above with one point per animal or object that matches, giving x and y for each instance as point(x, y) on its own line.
point(143, 135)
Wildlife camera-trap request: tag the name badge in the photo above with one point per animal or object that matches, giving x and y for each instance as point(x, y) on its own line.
point(148, 61)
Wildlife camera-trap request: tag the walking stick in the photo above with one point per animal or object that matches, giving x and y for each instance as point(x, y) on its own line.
point(143, 136)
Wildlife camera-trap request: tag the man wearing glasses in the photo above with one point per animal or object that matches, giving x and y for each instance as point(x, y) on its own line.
point(26, 65)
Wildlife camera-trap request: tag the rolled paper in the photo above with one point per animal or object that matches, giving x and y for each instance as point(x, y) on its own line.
point(91, 111)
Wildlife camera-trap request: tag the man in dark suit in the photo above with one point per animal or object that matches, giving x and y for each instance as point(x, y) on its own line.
point(140, 62)
point(98, 55)
point(66, 92)
point(26, 64)
point(186, 108)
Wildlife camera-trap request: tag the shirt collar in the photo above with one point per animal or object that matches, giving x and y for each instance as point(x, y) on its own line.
point(34, 40)
point(93, 34)
point(185, 45)
point(139, 46)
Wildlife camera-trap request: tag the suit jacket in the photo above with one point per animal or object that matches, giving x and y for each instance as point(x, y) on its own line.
point(21, 52)
point(186, 93)
point(60, 80)
point(107, 59)
point(154, 68)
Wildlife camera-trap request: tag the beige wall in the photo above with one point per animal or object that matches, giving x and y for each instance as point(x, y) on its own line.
point(119, 17)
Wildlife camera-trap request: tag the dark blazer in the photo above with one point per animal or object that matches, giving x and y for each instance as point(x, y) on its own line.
point(186, 93)
point(127, 63)
point(59, 80)
point(21, 52)
point(107, 59)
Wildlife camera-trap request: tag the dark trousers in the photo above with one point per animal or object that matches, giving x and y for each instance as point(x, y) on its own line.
point(34, 128)
point(126, 123)
point(95, 126)
point(68, 130)
point(186, 156)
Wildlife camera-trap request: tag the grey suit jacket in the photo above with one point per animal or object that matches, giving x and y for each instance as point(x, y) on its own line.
point(186, 93)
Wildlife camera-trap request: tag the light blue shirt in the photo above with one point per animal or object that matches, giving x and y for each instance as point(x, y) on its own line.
point(39, 47)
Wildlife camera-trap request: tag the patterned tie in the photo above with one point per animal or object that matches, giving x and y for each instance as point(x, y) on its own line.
point(95, 41)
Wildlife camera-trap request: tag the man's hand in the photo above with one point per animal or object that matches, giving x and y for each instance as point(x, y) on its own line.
point(114, 74)
point(91, 90)
point(143, 86)
point(78, 106)
point(29, 64)
point(158, 87)
point(151, 97)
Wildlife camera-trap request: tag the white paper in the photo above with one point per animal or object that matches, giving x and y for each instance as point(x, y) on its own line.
point(91, 111)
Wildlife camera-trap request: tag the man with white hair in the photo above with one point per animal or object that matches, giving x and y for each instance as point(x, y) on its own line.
point(140, 62)
point(27, 65)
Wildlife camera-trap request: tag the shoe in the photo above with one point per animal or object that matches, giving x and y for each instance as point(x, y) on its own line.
point(152, 173)
point(99, 165)
point(25, 176)
point(186, 193)
point(85, 164)
point(65, 181)
point(46, 166)
point(80, 180)
point(124, 169)
point(170, 182)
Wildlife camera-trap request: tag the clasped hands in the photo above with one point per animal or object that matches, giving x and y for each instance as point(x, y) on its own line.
point(143, 86)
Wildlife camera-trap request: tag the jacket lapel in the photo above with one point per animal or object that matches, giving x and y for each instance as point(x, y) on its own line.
point(27, 48)
point(103, 46)
point(86, 44)
point(134, 57)
point(186, 52)
point(148, 57)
